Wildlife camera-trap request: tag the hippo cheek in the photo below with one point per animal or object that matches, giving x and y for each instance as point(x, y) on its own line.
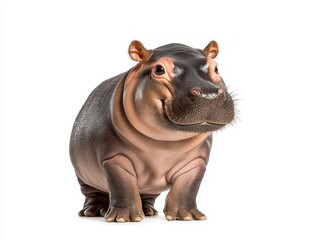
point(199, 115)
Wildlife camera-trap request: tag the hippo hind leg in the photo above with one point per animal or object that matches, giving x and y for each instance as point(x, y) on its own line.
point(96, 202)
point(148, 201)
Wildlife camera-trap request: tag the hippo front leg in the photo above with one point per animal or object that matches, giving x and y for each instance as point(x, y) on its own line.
point(125, 202)
point(181, 199)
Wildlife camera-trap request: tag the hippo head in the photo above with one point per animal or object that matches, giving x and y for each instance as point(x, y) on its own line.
point(176, 89)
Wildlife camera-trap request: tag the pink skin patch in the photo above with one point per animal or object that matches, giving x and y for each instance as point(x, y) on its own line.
point(215, 77)
point(168, 66)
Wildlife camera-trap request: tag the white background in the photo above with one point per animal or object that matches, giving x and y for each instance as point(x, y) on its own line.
point(262, 181)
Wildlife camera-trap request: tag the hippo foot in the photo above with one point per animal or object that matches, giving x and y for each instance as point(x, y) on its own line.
point(95, 206)
point(148, 201)
point(116, 214)
point(183, 213)
point(149, 211)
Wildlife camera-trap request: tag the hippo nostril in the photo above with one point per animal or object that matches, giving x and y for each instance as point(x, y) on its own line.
point(196, 92)
point(209, 94)
point(221, 91)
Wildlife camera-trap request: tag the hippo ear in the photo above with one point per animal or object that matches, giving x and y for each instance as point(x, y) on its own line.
point(211, 50)
point(138, 52)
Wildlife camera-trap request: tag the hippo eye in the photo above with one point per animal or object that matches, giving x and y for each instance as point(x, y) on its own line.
point(159, 70)
point(216, 69)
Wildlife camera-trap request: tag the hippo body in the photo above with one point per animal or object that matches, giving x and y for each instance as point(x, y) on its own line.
point(149, 130)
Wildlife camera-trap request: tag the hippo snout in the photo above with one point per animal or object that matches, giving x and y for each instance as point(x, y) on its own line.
point(201, 109)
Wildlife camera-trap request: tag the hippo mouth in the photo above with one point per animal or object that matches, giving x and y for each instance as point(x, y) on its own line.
point(198, 126)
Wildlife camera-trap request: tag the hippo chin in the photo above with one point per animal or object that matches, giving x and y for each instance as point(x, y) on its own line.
point(148, 130)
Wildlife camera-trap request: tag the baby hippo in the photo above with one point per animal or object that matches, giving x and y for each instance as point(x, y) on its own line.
point(148, 130)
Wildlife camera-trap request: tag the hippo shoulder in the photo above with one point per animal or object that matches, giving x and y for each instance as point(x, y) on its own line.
point(95, 115)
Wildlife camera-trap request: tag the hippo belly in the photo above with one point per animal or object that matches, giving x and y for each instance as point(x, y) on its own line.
point(154, 169)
